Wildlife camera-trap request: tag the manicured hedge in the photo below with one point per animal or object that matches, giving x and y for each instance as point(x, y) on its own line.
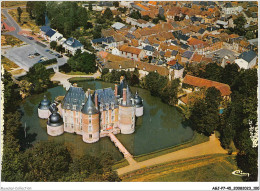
point(49, 62)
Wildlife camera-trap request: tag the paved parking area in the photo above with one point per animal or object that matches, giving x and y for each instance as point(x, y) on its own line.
point(229, 54)
point(20, 55)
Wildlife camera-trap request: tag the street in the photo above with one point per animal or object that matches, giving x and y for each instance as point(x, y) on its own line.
point(19, 55)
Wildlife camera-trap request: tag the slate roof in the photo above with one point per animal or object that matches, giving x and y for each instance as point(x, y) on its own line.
point(177, 66)
point(98, 40)
point(73, 42)
point(174, 52)
point(74, 96)
point(185, 46)
point(149, 48)
point(106, 96)
point(174, 42)
point(248, 56)
point(129, 35)
point(45, 28)
point(89, 108)
point(50, 33)
point(187, 54)
point(201, 31)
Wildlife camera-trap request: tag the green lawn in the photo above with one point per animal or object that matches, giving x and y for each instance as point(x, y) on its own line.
point(211, 168)
point(197, 139)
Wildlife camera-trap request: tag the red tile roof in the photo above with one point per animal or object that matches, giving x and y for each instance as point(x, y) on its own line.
point(200, 82)
point(129, 49)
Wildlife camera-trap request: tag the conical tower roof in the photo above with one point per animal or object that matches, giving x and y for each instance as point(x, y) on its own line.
point(89, 107)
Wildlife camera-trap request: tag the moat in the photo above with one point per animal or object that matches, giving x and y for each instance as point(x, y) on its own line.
point(160, 126)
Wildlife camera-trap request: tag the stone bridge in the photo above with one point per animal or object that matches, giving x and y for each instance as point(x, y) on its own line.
point(122, 149)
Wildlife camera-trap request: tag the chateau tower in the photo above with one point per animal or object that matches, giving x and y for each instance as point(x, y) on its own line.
point(139, 109)
point(90, 121)
point(55, 125)
point(126, 112)
point(43, 108)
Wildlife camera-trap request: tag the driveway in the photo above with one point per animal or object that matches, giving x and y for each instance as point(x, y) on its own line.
point(19, 55)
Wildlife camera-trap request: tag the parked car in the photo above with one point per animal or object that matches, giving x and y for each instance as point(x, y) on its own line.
point(50, 52)
point(36, 54)
point(30, 38)
point(59, 56)
point(47, 50)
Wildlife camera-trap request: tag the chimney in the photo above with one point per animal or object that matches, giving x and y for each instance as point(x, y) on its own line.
point(96, 101)
point(124, 96)
point(115, 90)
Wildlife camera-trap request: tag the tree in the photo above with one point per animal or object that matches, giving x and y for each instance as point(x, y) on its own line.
point(90, 8)
point(118, 19)
point(250, 35)
point(108, 14)
point(155, 83)
point(230, 73)
point(25, 88)
point(83, 62)
point(46, 161)
point(60, 49)
point(240, 22)
point(116, 3)
point(39, 76)
point(11, 93)
point(53, 44)
point(205, 113)
point(170, 92)
point(135, 15)
point(146, 18)
point(213, 72)
point(19, 11)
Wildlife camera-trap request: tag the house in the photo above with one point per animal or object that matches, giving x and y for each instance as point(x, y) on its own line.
point(178, 70)
point(149, 50)
point(186, 56)
point(246, 60)
point(115, 51)
point(228, 9)
point(49, 34)
point(118, 25)
point(200, 83)
point(56, 37)
point(71, 45)
point(132, 52)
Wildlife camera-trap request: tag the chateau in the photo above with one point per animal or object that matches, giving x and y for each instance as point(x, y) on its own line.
point(93, 115)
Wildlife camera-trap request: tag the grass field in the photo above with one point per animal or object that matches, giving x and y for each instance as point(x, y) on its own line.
point(197, 139)
point(9, 4)
point(8, 64)
point(16, 72)
point(10, 40)
point(26, 22)
point(210, 168)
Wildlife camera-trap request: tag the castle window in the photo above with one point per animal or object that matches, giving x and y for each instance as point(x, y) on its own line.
point(77, 113)
point(72, 127)
point(74, 107)
point(89, 119)
point(90, 136)
point(77, 120)
point(90, 128)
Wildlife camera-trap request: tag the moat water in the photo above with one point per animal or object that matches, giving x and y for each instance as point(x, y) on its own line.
point(160, 126)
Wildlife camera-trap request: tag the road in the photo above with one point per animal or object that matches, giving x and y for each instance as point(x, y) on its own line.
point(211, 147)
point(22, 62)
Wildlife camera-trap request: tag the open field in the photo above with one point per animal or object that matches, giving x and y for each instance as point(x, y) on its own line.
point(209, 168)
point(9, 4)
point(10, 40)
point(8, 64)
point(26, 22)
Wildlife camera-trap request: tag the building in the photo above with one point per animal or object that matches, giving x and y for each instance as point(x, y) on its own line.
point(132, 52)
point(111, 111)
point(43, 108)
point(71, 45)
point(246, 60)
